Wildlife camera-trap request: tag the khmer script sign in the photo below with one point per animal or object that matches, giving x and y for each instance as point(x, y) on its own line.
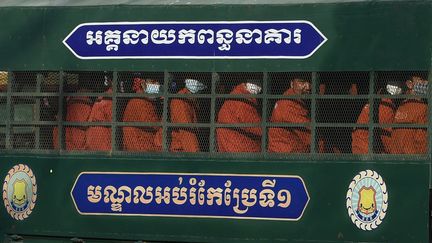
point(269, 197)
point(195, 40)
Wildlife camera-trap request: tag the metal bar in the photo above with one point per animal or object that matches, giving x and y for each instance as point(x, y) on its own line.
point(413, 159)
point(9, 110)
point(264, 113)
point(60, 113)
point(429, 122)
point(114, 144)
point(234, 125)
point(39, 78)
point(371, 112)
point(313, 113)
point(212, 138)
point(87, 94)
point(33, 94)
point(231, 96)
point(165, 112)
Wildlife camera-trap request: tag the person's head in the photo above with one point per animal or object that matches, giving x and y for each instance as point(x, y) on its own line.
point(300, 86)
point(253, 86)
point(394, 87)
point(3, 78)
point(135, 84)
point(107, 81)
point(421, 87)
point(416, 85)
point(194, 86)
point(151, 86)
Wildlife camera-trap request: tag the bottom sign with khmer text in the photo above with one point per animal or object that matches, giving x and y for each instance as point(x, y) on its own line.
point(271, 197)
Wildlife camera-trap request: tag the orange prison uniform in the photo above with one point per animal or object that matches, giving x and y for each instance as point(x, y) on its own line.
point(360, 136)
point(410, 140)
point(141, 138)
point(289, 139)
point(78, 110)
point(241, 139)
point(184, 111)
point(98, 138)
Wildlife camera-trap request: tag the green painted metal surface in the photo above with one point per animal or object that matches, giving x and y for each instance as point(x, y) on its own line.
point(71, 3)
point(362, 36)
point(325, 218)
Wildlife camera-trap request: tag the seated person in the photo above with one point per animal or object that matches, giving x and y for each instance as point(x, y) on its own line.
point(78, 109)
point(98, 138)
point(235, 111)
point(184, 110)
point(386, 113)
point(411, 111)
point(146, 138)
point(291, 139)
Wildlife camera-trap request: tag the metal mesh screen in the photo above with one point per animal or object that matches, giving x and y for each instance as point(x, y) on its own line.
point(278, 113)
point(3, 81)
point(140, 112)
point(2, 137)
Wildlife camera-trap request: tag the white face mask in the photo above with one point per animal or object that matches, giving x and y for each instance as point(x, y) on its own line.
point(420, 88)
point(393, 90)
point(194, 86)
point(253, 88)
point(106, 81)
point(152, 88)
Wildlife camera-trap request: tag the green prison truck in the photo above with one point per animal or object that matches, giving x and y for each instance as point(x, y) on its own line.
point(225, 121)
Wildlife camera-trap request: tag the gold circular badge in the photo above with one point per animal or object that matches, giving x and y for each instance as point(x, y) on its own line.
point(367, 200)
point(19, 191)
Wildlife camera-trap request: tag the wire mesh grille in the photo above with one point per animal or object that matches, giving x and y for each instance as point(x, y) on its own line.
point(4, 77)
point(235, 113)
point(32, 137)
point(2, 137)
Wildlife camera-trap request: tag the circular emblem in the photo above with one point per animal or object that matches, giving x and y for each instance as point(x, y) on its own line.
point(19, 191)
point(367, 200)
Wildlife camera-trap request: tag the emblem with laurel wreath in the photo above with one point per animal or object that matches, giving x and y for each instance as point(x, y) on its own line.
point(21, 177)
point(372, 186)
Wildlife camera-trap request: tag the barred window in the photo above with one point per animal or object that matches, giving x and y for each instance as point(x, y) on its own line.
point(254, 114)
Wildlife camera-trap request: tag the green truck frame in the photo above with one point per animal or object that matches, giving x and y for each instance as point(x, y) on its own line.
point(367, 38)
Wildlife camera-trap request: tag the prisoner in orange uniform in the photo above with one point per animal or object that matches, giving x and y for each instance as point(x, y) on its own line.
point(291, 139)
point(411, 111)
point(78, 109)
point(146, 138)
point(237, 111)
point(386, 113)
point(98, 138)
point(184, 110)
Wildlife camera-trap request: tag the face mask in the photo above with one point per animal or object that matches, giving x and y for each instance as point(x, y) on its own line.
point(194, 86)
point(303, 87)
point(393, 90)
point(106, 82)
point(122, 86)
point(253, 88)
point(152, 88)
point(420, 88)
